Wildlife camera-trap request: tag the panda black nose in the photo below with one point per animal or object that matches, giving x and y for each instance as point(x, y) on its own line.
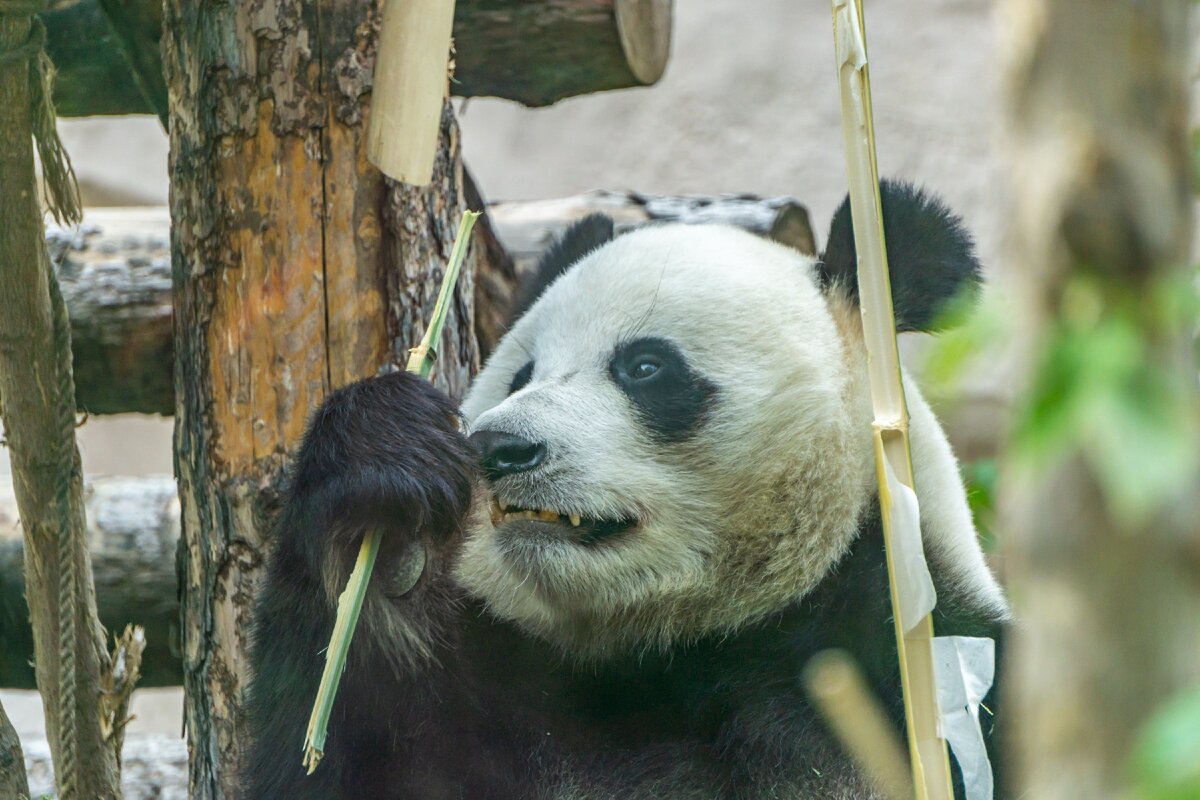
point(505, 454)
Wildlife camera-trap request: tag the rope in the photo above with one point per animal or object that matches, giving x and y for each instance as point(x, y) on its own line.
point(62, 196)
point(58, 176)
point(68, 545)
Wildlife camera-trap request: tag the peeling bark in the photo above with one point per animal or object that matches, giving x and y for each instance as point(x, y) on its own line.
point(297, 269)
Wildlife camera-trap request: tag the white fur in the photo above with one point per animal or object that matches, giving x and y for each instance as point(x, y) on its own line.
point(737, 521)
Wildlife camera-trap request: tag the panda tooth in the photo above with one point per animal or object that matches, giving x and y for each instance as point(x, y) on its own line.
point(503, 505)
point(575, 520)
point(546, 515)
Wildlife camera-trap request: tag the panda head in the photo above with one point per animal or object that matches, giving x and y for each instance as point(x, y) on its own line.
point(676, 432)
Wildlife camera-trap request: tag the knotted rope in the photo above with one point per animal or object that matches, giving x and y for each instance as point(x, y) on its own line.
point(61, 194)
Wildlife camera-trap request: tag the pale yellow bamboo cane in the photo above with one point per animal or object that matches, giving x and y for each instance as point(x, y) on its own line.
point(927, 752)
point(410, 86)
point(837, 686)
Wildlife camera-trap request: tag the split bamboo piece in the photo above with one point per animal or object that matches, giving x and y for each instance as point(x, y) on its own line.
point(420, 362)
point(411, 83)
point(927, 751)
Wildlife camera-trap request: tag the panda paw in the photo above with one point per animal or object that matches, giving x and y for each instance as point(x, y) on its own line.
point(385, 453)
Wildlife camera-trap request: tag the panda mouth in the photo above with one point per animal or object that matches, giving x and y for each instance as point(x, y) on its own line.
point(587, 530)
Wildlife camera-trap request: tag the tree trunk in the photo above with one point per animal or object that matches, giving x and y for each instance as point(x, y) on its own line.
point(13, 782)
point(36, 396)
point(297, 269)
point(1107, 589)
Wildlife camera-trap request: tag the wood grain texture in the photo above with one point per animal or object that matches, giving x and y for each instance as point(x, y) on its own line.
point(534, 53)
point(297, 269)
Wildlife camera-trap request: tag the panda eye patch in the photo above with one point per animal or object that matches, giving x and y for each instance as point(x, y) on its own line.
point(521, 379)
point(670, 398)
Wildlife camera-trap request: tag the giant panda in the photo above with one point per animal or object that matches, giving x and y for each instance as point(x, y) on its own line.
point(602, 576)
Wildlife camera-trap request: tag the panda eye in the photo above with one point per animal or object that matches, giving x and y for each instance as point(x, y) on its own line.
point(669, 397)
point(521, 379)
point(645, 368)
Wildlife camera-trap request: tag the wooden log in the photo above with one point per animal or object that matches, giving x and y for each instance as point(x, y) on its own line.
point(107, 51)
point(115, 273)
point(116, 277)
point(133, 530)
point(153, 765)
point(297, 269)
point(526, 227)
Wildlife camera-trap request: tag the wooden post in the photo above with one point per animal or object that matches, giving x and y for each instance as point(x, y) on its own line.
point(37, 405)
point(1107, 591)
point(297, 269)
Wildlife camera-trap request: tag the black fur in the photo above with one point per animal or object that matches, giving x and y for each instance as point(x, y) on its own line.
point(521, 379)
point(576, 242)
point(385, 453)
point(491, 713)
point(931, 257)
point(495, 714)
point(673, 401)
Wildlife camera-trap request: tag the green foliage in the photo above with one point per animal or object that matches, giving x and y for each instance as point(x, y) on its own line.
point(969, 330)
point(1196, 160)
point(1166, 760)
point(980, 477)
point(1098, 392)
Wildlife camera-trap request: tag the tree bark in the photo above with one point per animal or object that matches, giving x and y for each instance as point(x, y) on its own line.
point(133, 529)
point(297, 269)
point(13, 782)
point(35, 396)
point(107, 51)
point(1108, 599)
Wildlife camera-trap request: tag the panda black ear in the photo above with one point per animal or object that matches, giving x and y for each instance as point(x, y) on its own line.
point(576, 242)
point(931, 257)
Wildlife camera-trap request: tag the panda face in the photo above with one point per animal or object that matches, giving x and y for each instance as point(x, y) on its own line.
point(670, 442)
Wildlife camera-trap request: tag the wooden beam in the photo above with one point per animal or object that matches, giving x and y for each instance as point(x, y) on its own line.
point(108, 55)
point(116, 277)
point(133, 529)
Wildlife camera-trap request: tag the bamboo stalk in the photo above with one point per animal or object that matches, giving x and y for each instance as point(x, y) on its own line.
point(837, 687)
point(927, 751)
point(411, 83)
point(350, 601)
